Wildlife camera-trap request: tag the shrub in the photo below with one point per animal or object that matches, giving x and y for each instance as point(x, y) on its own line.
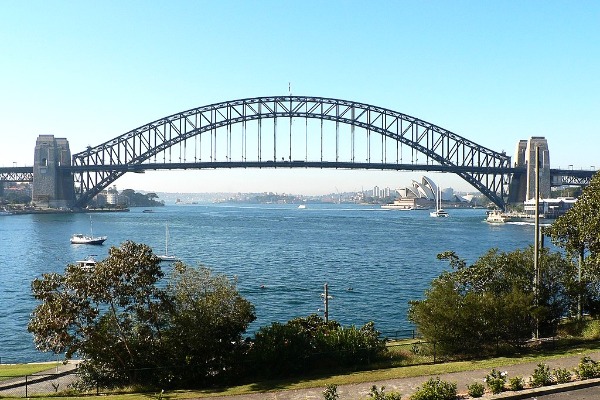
point(562, 375)
point(591, 330)
point(476, 389)
point(587, 368)
point(435, 389)
point(495, 381)
point(306, 344)
point(516, 383)
point(330, 392)
point(541, 376)
point(381, 395)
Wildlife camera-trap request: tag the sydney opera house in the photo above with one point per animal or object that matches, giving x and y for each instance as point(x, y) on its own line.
point(420, 195)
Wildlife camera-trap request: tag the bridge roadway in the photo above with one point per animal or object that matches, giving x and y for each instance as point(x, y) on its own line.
point(569, 176)
point(16, 174)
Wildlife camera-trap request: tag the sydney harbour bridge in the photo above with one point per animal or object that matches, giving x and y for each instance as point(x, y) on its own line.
point(286, 132)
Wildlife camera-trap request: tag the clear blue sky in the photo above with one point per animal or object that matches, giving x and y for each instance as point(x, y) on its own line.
point(493, 72)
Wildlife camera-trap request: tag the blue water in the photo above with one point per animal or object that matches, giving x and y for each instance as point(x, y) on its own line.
point(374, 261)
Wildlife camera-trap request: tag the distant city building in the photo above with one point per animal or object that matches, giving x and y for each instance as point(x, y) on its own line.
point(550, 208)
point(376, 191)
point(112, 196)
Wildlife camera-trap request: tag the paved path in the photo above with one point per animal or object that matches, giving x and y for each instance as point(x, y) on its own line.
point(50, 381)
point(407, 386)
point(359, 391)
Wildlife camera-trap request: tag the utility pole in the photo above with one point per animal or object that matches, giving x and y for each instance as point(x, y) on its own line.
point(325, 296)
point(579, 263)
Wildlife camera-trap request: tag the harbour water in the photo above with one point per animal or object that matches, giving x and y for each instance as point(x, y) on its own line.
point(374, 261)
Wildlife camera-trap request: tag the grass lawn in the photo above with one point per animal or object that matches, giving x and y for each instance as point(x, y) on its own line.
point(8, 371)
point(357, 377)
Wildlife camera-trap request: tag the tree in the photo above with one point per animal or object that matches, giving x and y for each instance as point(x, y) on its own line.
point(578, 232)
point(130, 327)
point(206, 325)
point(490, 303)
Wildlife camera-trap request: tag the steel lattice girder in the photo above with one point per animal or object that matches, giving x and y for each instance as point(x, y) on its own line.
point(437, 144)
point(16, 174)
point(560, 177)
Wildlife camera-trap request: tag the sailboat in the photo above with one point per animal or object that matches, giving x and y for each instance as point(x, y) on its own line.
point(439, 211)
point(166, 256)
point(80, 238)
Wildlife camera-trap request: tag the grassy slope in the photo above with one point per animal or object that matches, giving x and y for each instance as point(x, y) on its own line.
point(13, 370)
point(356, 377)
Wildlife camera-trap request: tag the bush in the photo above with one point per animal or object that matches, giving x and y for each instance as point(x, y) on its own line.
point(541, 376)
point(495, 381)
point(516, 383)
point(562, 375)
point(381, 395)
point(591, 330)
point(307, 344)
point(476, 389)
point(330, 393)
point(435, 389)
point(587, 368)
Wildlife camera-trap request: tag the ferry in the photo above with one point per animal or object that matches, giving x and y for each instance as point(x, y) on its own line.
point(497, 217)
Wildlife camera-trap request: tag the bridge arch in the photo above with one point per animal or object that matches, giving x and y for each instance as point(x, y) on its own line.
point(97, 167)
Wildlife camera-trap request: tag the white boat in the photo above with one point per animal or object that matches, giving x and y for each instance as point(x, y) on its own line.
point(166, 256)
point(497, 217)
point(302, 206)
point(88, 263)
point(396, 205)
point(80, 238)
point(439, 211)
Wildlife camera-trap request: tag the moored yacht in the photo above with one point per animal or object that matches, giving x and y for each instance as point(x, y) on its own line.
point(80, 238)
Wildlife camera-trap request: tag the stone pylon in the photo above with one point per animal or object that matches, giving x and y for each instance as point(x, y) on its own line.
point(52, 187)
point(522, 187)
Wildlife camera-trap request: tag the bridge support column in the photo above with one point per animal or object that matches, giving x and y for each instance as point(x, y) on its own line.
point(522, 187)
point(52, 187)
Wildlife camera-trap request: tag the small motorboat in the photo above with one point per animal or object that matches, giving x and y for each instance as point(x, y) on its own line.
point(88, 263)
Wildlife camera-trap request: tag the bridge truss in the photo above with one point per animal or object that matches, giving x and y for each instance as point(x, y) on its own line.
point(569, 177)
point(291, 132)
point(16, 174)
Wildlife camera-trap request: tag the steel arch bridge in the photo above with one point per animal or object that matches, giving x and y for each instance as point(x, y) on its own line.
point(264, 132)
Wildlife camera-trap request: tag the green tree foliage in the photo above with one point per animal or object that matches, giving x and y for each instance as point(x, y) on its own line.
point(578, 232)
point(305, 344)
point(208, 319)
point(130, 327)
point(490, 303)
point(141, 200)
